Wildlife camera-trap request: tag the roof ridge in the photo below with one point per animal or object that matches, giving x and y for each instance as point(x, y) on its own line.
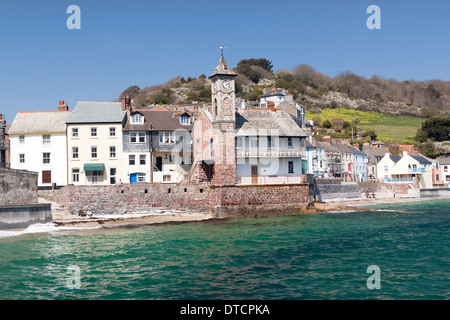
point(44, 111)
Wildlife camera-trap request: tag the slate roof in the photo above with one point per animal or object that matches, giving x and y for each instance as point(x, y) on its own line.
point(342, 148)
point(395, 158)
point(328, 147)
point(222, 68)
point(161, 120)
point(274, 92)
point(251, 122)
point(443, 161)
point(420, 158)
point(97, 112)
point(39, 122)
point(356, 150)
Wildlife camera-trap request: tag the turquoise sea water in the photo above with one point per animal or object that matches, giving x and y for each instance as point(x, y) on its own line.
point(315, 256)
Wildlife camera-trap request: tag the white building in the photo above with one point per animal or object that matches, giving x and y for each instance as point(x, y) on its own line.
point(444, 164)
point(38, 143)
point(94, 143)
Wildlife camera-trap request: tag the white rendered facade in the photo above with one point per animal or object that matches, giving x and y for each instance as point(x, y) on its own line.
point(44, 153)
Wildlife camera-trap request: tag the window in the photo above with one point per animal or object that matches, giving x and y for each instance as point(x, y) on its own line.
point(437, 177)
point(140, 177)
point(74, 132)
point(75, 152)
point(185, 120)
point(137, 118)
point(386, 168)
point(75, 175)
point(142, 159)
point(137, 137)
point(290, 166)
point(445, 169)
point(46, 157)
point(46, 176)
point(447, 178)
point(289, 142)
point(112, 132)
point(211, 147)
point(269, 142)
point(94, 176)
point(166, 177)
point(132, 160)
point(22, 158)
point(93, 152)
point(112, 152)
point(46, 139)
point(21, 139)
point(93, 132)
point(166, 137)
point(112, 175)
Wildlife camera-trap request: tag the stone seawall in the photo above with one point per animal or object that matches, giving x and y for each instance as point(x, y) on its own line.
point(222, 201)
point(260, 200)
point(21, 216)
point(434, 192)
point(18, 187)
point(135, 198)
point(334, 190)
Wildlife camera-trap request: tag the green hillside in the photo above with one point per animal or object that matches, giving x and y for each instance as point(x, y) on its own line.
point(386, 126)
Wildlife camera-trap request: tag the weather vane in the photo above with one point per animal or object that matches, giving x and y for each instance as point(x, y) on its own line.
point(221, 49)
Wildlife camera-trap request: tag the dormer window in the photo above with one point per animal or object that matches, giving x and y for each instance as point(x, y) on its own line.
point(137, 118)
point(185, 120)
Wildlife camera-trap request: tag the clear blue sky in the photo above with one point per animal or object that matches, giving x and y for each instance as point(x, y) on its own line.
point(123, 43)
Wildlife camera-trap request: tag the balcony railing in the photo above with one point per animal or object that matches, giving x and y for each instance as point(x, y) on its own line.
point(269, 153)
point(409, 179)
point(416, 170)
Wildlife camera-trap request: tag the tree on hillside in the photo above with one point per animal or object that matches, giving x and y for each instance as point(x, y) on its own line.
point(131, 91)
point(436, 128)
point(255, 69)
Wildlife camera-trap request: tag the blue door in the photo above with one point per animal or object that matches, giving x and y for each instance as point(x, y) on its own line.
point(133, 177)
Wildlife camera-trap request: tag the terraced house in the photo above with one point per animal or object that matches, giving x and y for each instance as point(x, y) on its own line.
point(94, 143)
point(157, 145)
point(38, 143)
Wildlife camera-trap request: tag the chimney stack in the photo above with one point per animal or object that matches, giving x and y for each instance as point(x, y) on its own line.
point(63, 106)
point(126, 103)
point(271, 106)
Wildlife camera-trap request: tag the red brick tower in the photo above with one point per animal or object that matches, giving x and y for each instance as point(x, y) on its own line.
point(223, 141)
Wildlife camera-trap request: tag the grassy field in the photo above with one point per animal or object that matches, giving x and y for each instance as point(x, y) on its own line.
point(386, 126)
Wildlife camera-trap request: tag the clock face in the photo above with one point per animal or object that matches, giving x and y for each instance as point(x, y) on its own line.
point(226, 84)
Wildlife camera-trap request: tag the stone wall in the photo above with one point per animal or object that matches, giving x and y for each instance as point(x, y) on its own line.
point(335, 190)
point(223, 201)
point(259, 200)
point(134, 198)
point(18, 187)
point(434, 192)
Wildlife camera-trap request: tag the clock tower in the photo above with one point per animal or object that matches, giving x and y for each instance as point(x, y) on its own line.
point(224, 123)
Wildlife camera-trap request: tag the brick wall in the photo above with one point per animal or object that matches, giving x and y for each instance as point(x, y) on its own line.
point(18, 187)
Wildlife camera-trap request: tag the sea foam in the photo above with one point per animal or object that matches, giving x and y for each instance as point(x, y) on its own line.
point(40, 228)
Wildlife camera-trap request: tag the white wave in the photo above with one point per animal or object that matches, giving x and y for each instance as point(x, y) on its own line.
point(40, 228)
